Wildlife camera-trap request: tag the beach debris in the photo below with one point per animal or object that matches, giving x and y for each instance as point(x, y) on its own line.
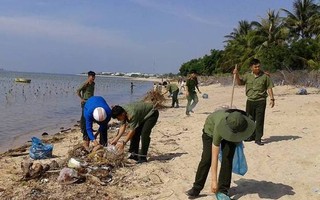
point(54, 165)
point(106, 155)
point(205, 96)
point(78, 151)
point(20, 151)
point(111, 149)
point(96, 148)
point(96, 180)
point(156, 98)
point(316, 190)
point(44, 134)
point(31, 170)
point(222, 196)
point(45, 180)
point(73, 163)
point(76, 164)
point(65, 130)
point(103, 174)
point(68, 176)
point(35, 192)
point(2, 190)
point(302, 91)
point(40, 150)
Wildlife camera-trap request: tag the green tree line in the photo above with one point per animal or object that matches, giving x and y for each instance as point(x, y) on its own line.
point(290, 42)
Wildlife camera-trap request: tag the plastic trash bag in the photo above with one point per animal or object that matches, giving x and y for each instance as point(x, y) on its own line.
point(68, 176)
point(39, 150)
point(302, 91)
point(239, 163)
point(112, 149)
point(205, 96)
point(221, 196)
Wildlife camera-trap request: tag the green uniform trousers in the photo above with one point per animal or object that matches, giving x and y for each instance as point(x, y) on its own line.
point(224, 180)
point(175, 98)
point(257, 111)
point(192, 97)
point(143, 131)
point(83, 124)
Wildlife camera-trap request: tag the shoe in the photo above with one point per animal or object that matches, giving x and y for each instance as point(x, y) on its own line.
point(142, 160)
point(177, 107)
point(193, 192)
point(250, 139)
point(191, 111)
point(258, 142)
point(171, 106)
point(187, 113)
point(133, 157)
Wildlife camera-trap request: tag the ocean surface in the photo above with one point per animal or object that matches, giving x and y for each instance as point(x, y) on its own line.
point(49, 103)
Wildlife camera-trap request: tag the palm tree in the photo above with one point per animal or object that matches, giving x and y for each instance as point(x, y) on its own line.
point(300, 20)
point(243, 28)
point(271, 29)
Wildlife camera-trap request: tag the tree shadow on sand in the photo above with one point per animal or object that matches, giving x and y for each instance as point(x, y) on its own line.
point(280, 138)
point(165, 157)
point(264, 189)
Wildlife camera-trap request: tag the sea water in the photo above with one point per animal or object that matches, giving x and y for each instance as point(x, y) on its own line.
point(50, 103)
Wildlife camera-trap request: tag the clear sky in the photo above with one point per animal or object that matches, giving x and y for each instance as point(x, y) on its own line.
point(152, 36)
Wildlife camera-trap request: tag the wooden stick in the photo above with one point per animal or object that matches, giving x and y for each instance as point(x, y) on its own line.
point(233, 84)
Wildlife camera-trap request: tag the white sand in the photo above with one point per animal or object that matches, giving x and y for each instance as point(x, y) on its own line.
point(286, 167)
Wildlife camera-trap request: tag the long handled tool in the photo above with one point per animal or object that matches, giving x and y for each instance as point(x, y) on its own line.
point(233, 84)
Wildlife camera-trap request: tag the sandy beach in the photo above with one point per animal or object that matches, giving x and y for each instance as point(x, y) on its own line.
point(286, 167)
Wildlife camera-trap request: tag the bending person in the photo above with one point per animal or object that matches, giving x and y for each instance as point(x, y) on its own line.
point(96, 110)
point(140, 118)
point(173, 89)
point(223, 128)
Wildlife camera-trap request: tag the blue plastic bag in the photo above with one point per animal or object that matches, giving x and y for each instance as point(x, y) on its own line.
point(221, 196)
point(239, 163)
point(39, 150)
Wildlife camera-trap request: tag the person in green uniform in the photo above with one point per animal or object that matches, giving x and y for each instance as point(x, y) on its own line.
point(85, 91)
point(258, 86)
point(139, 118)
point(225, 129)
point(191, 94)
point(173, 89)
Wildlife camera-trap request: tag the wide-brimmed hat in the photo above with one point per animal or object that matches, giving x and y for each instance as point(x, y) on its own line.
point(236, 127)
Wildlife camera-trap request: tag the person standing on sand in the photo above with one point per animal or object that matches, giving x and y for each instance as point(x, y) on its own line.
point(140, 117)
point(85, 91)
point(191, 94)
point(182, 85)
point(225, 129)
point(96, 110)
point(258, 86)
point(173, 89)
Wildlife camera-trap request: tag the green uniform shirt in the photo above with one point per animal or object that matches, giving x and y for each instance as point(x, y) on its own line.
point(256, 87)
point(172, 88)
point(138, 112)
point(86, 90)
point(210, 125)
point(191, 84)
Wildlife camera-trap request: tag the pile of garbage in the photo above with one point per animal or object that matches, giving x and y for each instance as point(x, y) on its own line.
point(80, 166)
